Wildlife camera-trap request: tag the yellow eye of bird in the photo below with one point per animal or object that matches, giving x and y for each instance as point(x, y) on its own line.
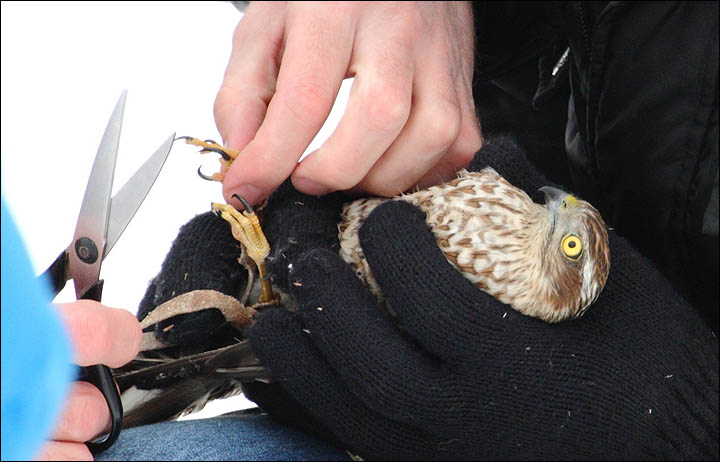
point(572, 247)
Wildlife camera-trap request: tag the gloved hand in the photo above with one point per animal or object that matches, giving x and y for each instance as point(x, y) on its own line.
point(204, 257)
point(459, 375)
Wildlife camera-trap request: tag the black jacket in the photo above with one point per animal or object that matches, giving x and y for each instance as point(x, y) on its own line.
point(618, 101)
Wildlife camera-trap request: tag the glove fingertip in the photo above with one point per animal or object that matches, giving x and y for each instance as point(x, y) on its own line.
point(392, 212)
point(294, 223)
point(416, 277)
point(272, 323)
point(281, 344)
point(391, 220)
point(393, 257)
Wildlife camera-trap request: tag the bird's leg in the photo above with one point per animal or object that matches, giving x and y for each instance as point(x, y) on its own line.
point(246, 228)
point(227, 156)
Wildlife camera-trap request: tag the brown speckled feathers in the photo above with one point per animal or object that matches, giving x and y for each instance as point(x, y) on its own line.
point(503, 242)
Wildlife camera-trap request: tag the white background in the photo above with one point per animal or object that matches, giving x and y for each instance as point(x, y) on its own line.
point(64, 65)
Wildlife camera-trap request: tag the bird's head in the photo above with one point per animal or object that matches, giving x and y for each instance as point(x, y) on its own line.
point(577, 254)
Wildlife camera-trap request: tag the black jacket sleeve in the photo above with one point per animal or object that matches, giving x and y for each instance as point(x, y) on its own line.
point(630, 114)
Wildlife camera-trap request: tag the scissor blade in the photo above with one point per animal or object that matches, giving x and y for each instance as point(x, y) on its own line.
point(126, 201)
point(87, 247)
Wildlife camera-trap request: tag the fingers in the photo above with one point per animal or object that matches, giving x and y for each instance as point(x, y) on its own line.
point(101, 335)
point(356, 337)
point(314, 63)
point(441, 135)
point(251, 73)
point(429, 295)
point(432, 128)
point(410, 117)
point(377, 110)
point(64, 450)
point(283, 345)
point(85, 414)
point(460, 153)
point(295, 223)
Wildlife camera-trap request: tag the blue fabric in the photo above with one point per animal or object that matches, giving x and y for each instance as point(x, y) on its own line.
point(36, 353)
point(236, 436)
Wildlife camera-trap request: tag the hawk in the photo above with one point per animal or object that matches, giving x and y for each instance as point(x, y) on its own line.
point(548, 261)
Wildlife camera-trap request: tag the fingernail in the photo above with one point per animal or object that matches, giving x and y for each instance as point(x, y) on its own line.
point(308, 186)
point(248, 192)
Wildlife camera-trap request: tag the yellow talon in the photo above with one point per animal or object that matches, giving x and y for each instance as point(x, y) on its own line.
point(246, 228)
point(227, 156)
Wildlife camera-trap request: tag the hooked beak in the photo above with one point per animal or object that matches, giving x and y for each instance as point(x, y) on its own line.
point(553, 198)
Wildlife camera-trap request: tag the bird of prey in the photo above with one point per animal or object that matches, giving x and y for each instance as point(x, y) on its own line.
point(549, 261)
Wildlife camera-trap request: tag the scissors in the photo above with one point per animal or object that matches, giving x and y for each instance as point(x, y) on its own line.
point(101, 222)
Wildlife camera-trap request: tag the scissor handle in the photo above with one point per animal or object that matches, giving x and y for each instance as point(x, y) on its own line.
point(56, 273)
point(100, 376)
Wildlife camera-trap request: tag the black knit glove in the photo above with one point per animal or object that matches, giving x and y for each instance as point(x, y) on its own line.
point(459, 375)
point(295, 223)
point(202, 257)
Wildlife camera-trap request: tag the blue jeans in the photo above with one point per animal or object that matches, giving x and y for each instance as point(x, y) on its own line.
point(237, 436)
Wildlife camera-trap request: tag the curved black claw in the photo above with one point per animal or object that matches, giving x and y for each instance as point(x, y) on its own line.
point(245, 203)
point(203, 176)
point(219, 151)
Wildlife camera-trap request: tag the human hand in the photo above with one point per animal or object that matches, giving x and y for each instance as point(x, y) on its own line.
point(460, 375)
point(410, 118)
point(100, 335)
